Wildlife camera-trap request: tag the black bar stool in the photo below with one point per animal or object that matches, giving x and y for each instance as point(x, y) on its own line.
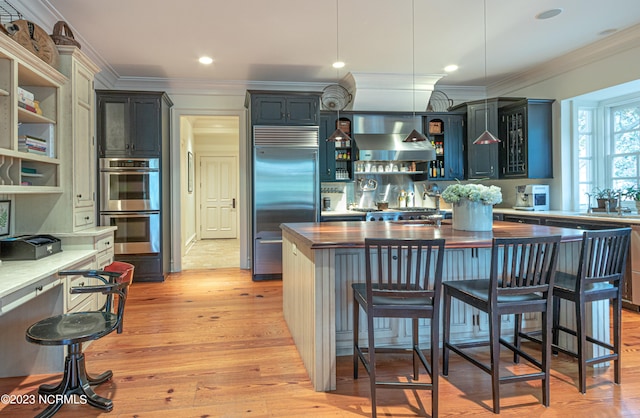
point(600, 276)
point(403, 280)
point(520, 281)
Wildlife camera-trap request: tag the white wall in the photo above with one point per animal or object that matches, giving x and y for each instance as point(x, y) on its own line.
point(187, 201)
point(611, 62)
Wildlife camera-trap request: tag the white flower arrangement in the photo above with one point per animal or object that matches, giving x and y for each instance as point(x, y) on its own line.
point(488, 195)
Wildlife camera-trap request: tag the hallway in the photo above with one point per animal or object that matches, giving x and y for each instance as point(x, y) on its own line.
point(212, 254)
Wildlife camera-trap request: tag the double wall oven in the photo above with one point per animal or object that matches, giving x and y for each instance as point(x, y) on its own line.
point(130, 200)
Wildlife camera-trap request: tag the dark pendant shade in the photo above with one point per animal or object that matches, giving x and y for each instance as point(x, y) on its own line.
point(338, 136)
point(486, 138)
point(414, 136)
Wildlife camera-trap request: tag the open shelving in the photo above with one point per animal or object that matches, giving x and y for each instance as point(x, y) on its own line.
point(21, 171)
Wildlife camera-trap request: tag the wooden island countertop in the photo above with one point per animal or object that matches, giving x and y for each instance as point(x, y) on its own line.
point(320, 261)
point(348, 234)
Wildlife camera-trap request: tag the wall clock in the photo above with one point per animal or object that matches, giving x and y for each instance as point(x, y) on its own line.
point(34, 39)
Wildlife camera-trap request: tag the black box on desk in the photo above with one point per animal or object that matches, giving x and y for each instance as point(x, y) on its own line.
point(29, 247)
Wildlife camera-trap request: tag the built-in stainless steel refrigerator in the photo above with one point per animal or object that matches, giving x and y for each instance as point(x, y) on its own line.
point(285, 189)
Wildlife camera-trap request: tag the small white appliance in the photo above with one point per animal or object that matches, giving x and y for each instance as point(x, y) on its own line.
point(532, 197)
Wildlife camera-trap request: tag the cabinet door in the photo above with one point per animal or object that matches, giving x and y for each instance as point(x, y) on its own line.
point(145, 129)
point(454, 147)
point(327, 163)
point(302, 110)
point(513, 148)
point(268, 110)
point(526, 134)
point(113, 126)
point(482, 159)
point(83, 145)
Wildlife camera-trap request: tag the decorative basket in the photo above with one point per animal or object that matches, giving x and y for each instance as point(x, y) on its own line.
point(62, 34)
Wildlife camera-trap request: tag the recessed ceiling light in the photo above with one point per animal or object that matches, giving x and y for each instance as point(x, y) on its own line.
point(205, 60)
point(548, 14)
point(338, 64)
point(451, 68)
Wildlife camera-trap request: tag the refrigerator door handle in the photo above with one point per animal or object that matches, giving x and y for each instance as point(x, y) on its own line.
point(269, 241)
point(233, 203)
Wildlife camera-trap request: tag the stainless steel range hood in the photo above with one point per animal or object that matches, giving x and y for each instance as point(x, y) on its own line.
point(390, 147)
point(379, 137)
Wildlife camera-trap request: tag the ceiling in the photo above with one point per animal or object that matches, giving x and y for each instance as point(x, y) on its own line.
point(293, 42)
point(296, 40)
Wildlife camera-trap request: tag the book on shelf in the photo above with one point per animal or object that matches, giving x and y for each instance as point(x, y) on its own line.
point(27, 107)
point(25, 94)
point(26, 102)
point(32, 144)
point(42, 132)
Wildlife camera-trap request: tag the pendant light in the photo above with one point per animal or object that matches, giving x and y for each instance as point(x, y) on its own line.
point(486, 138)
point(338, 135)
point(414, 136)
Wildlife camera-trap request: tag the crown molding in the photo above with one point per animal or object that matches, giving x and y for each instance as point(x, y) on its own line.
point(616, 43)
point(207, 87)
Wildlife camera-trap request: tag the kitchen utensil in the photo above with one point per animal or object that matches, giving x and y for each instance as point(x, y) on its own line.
point(368, 185)
point(382, 205)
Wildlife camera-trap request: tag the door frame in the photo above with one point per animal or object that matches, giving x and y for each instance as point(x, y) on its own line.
point(244, 215)
point(198, 185)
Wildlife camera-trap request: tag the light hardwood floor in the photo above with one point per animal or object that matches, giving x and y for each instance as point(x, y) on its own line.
point(212, 253)
point(212, 343)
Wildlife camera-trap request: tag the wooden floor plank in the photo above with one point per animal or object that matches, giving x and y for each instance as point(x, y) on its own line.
point(213, 343)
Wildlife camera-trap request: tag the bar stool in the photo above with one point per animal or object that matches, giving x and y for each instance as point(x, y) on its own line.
point(72, 329)
point(403, 280)
point(520, 281)
point(600, 276)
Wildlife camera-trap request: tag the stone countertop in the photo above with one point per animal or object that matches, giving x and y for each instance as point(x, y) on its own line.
point(627, 217)
point(90, 232)
point(17, 275)
point(349, 234)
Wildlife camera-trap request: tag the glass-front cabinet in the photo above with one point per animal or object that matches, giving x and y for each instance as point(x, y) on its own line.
point(526, 133)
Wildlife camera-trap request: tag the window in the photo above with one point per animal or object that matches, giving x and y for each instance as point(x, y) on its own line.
point(585, 152)
point(606, 145)
point(625, 145)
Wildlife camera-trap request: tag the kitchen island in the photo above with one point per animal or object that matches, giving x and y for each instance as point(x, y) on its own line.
point(322, 260)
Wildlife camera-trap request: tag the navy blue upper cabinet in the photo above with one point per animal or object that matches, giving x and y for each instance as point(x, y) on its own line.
point(336, 158)
point(482, 160)
point(446, 133)
point(327, 163)
point(284, 108)
point(129, 124)
point(526, 134)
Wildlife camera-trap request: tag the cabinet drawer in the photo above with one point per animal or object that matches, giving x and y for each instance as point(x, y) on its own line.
point(27, 293)
point(104, 259)
point(522, 219)
point(105, 244)
point(73, 300)
point(84, 218)
point(87, 303)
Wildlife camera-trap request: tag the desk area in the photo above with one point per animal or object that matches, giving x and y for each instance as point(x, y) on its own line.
point(321, 260)
point(31, 290)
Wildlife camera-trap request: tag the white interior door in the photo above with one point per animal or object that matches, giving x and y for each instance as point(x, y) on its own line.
point(218, 212)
